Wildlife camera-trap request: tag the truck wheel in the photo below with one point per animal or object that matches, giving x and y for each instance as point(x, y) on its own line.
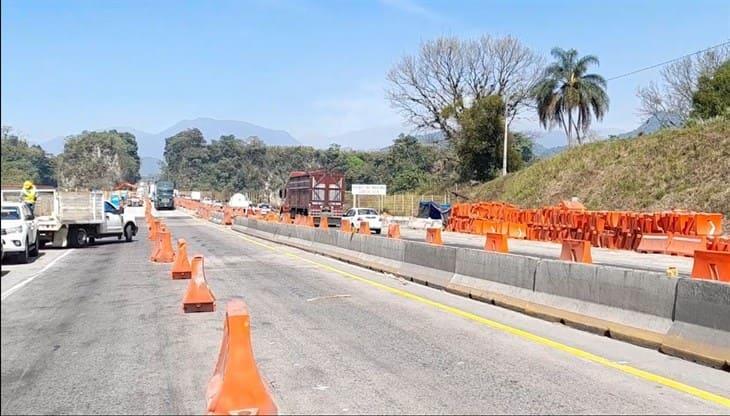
point(92, 240)
point(34, 252)
point(128, 232)
point(77, 237)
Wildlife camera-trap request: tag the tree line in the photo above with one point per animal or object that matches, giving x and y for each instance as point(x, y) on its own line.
point(90, 160)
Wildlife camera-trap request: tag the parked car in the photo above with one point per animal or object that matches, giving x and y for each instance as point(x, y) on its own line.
point(19, 231)
point(264, 209)
point(357, 215)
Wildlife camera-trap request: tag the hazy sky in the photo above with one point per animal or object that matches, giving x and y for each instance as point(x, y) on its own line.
point(314, 68)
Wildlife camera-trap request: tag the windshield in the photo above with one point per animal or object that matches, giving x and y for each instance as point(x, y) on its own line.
point(10, 213)
point(367, 211)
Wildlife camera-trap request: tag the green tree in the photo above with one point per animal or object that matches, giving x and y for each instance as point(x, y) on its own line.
point(98, 160)
point(568, 96)
point(712, 97)
point(186, 158)
point(481, 139)
point(408, 164)
point(21, 161)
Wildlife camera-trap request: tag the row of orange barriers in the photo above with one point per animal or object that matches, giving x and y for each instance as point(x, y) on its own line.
point(236, 387)
point(608, 229)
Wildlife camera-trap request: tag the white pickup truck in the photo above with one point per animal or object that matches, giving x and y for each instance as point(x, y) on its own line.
point(75, 219)
point(19, 231)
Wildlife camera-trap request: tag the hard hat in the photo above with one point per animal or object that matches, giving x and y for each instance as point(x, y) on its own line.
point(27, 184)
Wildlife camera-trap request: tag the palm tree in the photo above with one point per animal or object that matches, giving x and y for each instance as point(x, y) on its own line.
point(566, 95)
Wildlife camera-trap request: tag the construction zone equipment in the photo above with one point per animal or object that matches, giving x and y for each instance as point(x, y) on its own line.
point(309, 221)
point(198, 296)
point(578, 251)
point(156, 229)
point(181, 267)
point(653, 243)
point(236, 387)
point(433, 236)
point(394, 231)
point(364, 228)
point(711, 265)
point(227, 216)
point(517, 230)
point(164, 253)
point(153, 227)
point(323, 223)
point(496, 242)
point(681, 245)
point(346, 226)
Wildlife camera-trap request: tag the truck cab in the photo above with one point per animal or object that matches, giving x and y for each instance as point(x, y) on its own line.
point(164, 195)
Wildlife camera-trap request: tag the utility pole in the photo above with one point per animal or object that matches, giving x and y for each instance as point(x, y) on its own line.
point(506, 132)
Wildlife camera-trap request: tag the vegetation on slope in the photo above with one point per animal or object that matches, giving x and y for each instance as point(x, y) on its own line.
point(686, 168)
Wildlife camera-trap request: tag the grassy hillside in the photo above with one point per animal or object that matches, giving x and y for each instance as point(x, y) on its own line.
point(685, 168)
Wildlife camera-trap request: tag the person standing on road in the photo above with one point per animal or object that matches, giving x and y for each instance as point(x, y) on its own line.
point(29, 195)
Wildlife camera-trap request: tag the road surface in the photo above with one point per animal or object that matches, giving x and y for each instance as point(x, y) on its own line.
point(102, 331)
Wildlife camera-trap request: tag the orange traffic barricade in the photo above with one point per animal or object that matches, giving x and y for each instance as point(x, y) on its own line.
point(433, 236)
point(324, 223)
point(164, 253)
point(309, 221)
point(686, 245)
point(198, 296)
point(578, 251)
point(654, 243)
point(496, 242)
point(181, 267)
point(236, 387)
point(711, 265)
point(394, 231)
point(345, 226)
point(364, 228)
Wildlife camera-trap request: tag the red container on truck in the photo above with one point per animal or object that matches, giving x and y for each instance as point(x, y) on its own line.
point(317, 193)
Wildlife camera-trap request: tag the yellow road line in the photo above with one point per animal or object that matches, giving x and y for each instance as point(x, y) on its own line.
point(646, 375)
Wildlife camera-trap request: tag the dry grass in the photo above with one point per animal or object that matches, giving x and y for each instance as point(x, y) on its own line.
point(685, 168)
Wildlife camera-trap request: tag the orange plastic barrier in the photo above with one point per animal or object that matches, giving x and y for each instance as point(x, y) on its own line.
point(711, 265)
point(681, 245)
point(324, 223)
point(364, 228)
point(164, 253)
point(578, 251)
point(496, 242)
point(198, 296)
point(154, 227)
point(708, 224)
point(433, 236)
point(394, 231)
point(345, 226)
point(309, 221)
point(227, 216)
point(236, 387)
point(517, 230)
point(654, 243)
point(181, 267)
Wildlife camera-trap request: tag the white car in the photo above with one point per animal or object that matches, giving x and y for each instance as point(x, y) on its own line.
point(19, 231)
point(357, 215)
point(264, 209)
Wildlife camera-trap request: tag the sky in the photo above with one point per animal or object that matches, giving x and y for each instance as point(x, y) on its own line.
point(314, 68)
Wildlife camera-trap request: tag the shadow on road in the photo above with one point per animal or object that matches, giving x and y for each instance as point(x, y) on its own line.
point(12, 259)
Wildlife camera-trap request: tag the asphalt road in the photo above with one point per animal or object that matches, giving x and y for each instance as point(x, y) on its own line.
point(102, 331)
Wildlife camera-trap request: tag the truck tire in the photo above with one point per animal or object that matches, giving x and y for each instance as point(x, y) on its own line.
point(92, 240)
point(128, 232)
point(34, 251)
point(24, 257)
point(77, 237)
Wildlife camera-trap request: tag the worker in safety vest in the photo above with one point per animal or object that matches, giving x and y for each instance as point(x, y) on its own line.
point(29, 195)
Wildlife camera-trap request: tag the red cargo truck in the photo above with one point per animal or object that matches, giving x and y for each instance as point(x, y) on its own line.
point(317, 193)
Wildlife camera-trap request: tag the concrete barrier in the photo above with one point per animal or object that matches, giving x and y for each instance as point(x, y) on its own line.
point(428, 264)
point(701, 328)
point(384, 254)
point(508, 269)
point(644, 300)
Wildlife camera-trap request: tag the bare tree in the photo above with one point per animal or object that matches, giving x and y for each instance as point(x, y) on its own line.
point(670, 102)
point(432, 89)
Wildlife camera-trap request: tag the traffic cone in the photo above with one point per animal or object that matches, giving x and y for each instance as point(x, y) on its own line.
point(324, 223)
point(198, 296)
point(181, 267)
point(153, 227)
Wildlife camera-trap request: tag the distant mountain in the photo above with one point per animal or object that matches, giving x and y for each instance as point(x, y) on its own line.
point(653, 124)
point(542, 152)
point(152, 145)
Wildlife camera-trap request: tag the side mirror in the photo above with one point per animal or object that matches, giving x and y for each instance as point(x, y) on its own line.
point(29, 217)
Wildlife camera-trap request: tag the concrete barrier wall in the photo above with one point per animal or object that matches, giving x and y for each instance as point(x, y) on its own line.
point(384, 247)
point(645, 292)
point(501, 268)
point(431, 256)
point(703, 302)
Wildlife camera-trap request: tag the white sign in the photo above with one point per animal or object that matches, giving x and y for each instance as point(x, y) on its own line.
point(368, 189)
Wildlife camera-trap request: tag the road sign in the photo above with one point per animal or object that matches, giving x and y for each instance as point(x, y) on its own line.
point(360, 189)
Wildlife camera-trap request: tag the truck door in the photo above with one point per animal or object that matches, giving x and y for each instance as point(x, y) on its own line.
point(112, 219)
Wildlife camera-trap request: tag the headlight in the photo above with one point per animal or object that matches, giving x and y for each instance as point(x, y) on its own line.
point(13, 230)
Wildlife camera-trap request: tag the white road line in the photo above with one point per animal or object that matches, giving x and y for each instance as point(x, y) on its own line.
point(32, 277)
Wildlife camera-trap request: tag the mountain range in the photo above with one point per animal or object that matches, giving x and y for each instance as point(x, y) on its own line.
point(152, 145)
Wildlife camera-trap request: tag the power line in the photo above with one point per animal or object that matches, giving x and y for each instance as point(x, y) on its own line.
point(668, 62)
